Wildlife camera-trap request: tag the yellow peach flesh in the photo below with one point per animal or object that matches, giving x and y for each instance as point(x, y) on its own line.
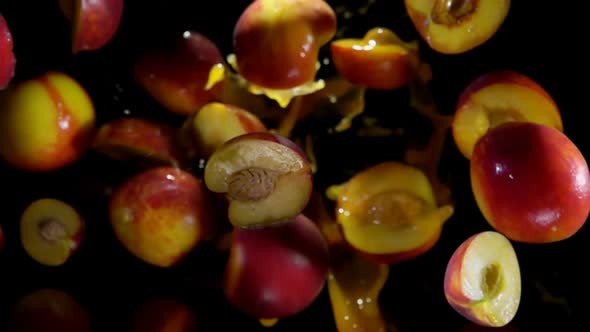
point(50, 246)
point(513, 102)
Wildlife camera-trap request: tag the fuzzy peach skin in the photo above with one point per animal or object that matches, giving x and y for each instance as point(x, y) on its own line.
point(46, 123)
point(7, 57)
point(49, 310)
point(276, 42)
point(160, 215)
point(482, 280)
point(457, 26)
point(388, 212)
point(497, 97)
point(531, 182)
point(94, 22)
point(137, 138)
point(379, 60)
point(278, 271)
point(216, 123)
point(177, 77)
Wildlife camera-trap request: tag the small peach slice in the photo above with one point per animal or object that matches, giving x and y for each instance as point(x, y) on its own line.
point(49, 310)
point(94, 23)
point(388, 212)
point(266, 177)
point(457, 26)
point(354, 288)
point(216, 123)
point(482, 280)
point(7, 57)
point(160, 215)
point(379, 60)
point(46, 122)
point(163, 315)
point(498, 97)
point(51, 231)
point(138, 140)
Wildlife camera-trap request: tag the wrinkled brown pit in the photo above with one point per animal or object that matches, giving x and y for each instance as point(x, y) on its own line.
point(252, 184)
point(499, 117)
point(395, 208)
point(52, 230)
point(491, 280)
point(452, 12)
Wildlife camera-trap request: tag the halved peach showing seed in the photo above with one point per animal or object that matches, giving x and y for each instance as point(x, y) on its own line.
point(457, 26)
point(216, 123)
point(380, 60)
point(49, 310)
point(139, 141)
point(389, 214)
point(51, 231)
point(482, 280)
point(266, 177)
point(498, 97)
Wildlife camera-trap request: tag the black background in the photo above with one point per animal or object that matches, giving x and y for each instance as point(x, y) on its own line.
point(544, 40)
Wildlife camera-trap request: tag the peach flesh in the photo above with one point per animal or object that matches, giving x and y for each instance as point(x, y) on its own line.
point(498, 97)
point(7, 57)
point(51, 231)
point(278, 271)
point(531, 182)
point(266, 177)
point(482, 279)
point(160, 214)
point(457, 26)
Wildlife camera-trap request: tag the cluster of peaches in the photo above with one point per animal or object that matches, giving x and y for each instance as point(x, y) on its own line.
point(228, 175)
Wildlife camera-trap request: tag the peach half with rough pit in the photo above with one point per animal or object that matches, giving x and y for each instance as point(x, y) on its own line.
point(160, 214)
point(482, 280)
point(380, 60)
point(46, 122)
point(266, 177)
point(94, 23)
point(457, 26)
point(51, 231)
point(388, 212)
point(138, 140)
point(276, 272)
point(49, 310)
point(497, 97)
point(163, 315)
point(7, 57)
point(216, 123)
point(177, 77)
point(288, 35)
point(531, 182)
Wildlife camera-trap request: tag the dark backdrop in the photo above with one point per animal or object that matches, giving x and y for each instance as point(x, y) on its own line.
point(542, 39)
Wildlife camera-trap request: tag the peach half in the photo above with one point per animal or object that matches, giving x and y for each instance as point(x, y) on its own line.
point(276, 272)
point(266, 177)
point(46, 122)
point(531, 182)
point(7, 57)
point(139, 141)
point(160, 215)
point(388, 212)
point(482, 280)
point(379, 60)
point(163, 315)
point(177, 77)
point(94, 23)
point(51, 231)
point(216, 123)
point(457, 26)
point(277, 42)
point(49, 310)
point(498, 97)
